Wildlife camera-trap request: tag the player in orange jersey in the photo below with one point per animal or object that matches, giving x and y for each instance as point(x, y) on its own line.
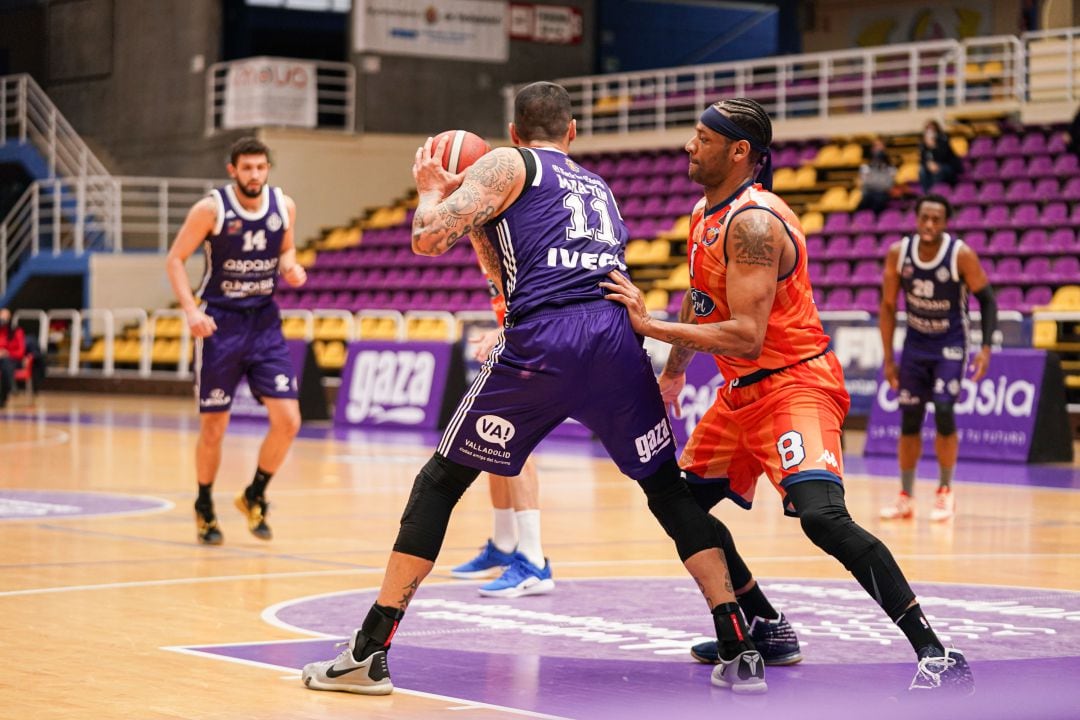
point(783, 403)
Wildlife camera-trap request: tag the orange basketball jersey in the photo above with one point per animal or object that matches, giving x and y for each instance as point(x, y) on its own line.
point(794, 332)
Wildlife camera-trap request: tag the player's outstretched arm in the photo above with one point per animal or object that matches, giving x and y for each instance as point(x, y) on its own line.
point(199, 223)
point(755, 245)
point(890, 288)
point(447, 212)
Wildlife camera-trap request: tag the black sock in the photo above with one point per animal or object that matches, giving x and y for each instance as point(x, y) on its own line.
point(754, 604)
point(204, 494)
point(257, 488)
point(377, 631)
point(918, 631)
point(731, 632)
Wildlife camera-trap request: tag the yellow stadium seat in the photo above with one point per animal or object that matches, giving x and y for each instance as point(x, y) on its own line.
point(293, 328)
point(907, 173)
point(1066, 298)
point(637, 252)
point(656, 299)
point(96, 353)
point(331, 328)
point(679, 230)
point(333, 357)
point(851, 155)
point(1044, 334)
point(812, 222)
point(835, 199)
point(959, 145)
point(167, 327)
point(126, 351)
point(784, 179)
point(854, 198)
point(659, 251)
point(426, 329)
point(829, 156)
point(679, 279)
point(805, 177)
point(377, 328)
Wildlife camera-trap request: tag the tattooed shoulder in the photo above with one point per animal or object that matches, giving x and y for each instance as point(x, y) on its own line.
point(754, 239)
point(497, 170)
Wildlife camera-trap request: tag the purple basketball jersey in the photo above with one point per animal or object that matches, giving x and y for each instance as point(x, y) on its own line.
point(559, 239)
point(242, 252)
point(936, 298)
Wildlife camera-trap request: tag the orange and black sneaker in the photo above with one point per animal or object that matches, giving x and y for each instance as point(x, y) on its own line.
point(206, 525)
point(255, 511)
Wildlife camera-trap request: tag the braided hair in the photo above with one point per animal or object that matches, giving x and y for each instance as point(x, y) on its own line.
point(750, 116)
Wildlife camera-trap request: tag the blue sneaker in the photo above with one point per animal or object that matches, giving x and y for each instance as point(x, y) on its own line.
point(774, 639)
point(948, 674)
point(521, 578)
point(485, 564)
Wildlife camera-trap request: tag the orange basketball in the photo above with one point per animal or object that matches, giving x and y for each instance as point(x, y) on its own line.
point(463, 149)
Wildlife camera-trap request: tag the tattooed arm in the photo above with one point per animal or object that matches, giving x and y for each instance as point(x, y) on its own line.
point(489, 259)
point(756, 242)
point(680, 357)
point(445, 214)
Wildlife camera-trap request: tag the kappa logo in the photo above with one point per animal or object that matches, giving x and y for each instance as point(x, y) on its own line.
point(829, 459)
point(273, 223)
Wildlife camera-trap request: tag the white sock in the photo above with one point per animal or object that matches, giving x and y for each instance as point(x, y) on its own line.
point(528, 526)
point(505, 535)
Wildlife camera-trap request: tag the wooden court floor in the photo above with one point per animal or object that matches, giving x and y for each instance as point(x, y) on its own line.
point(91, 605)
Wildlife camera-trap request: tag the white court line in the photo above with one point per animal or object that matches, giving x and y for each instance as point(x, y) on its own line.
point(580, 564)
point(294, 676)
point(60, 438)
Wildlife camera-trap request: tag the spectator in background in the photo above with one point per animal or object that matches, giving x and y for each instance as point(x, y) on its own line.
point(937, 161)
point(12, 352)
point(876, 178)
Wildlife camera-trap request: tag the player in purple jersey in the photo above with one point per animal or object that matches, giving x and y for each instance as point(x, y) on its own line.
point(936, 272)
point(246, 231)
point(553, 232)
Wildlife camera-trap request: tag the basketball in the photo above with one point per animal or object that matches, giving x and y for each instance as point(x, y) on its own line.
point(463, 149)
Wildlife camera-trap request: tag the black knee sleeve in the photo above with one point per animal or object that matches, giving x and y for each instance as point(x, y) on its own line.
point(911, 418)
point(678, 513)
point(436, 490)
point(944, 418)
point(826, 521)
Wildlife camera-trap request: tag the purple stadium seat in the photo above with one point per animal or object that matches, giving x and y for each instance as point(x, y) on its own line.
point(1056, 144)
point(892, 220)
point(996, 216)
point(637, 187)
point(1018, 191)
point(981, 146)
point(1066, 165)
point(1065, 271)
point(890, 238)
point(838, 247)
point(1008, 270)
point(863, 221)
point(1009, 298)
point(816, 270)
point(1034, 143)
point(985, 169)
point(1007, 146)
point(620, 187)
point(1040, 166)
point(1036, 269)
point(819, 297)
point(1048, 188)
point(1002, 242)
point(1012, 167)
point(867, 272)
point(1036, 296)
point(1055, 214)
point(1032, 242)
point(837, 273)
point(786, 157)
point(1061, 241)
point(837, 222)
point(991, 192)
point(675, 302)
point(1023, 216)
point(976, 240)
point(1074, 216)
point(867, 299)
point(632, 207)
point(865, 246)
point(968, 218)
point(1071, 190)
point(964, 194)
point(839, 299)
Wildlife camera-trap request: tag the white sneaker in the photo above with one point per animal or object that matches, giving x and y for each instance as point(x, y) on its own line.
point(345, 674)
point(944, 505)
point(743, 674)
point(904, 509)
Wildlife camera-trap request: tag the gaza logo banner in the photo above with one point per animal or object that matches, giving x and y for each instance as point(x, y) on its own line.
point(389, 384)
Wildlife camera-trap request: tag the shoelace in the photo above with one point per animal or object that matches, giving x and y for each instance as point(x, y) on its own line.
point(943, 662)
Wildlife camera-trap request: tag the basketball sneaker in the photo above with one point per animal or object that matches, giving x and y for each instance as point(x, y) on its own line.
point(255, 512)
point(370, 676)
point(904, 509)
point(774, 639)
point(520, 578)
point(944, 505)
point(489, 560)
point(949, 673)
point(206, 525)
point(743, 674)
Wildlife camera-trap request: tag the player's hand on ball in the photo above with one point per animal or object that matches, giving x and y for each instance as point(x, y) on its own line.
point(295, 275)
point(428, 170)
point(201, 324)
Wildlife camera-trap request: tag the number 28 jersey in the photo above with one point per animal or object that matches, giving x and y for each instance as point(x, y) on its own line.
point(559, 239)
point(242, 250)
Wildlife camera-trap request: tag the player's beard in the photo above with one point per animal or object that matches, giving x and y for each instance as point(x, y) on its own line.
point(250, 193)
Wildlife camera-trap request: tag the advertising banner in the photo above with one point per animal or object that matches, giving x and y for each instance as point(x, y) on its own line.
point(394, 384)
point(270, 91)
point(553, 24)
point(458, 29)
point(995, 418)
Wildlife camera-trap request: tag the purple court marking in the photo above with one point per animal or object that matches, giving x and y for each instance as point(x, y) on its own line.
point(618, 648)
point(53, 504)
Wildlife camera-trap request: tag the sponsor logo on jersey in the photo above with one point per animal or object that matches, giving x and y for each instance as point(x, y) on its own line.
point(234, 265)
point(495, 430)
point(247, 288)
point(390, 386)
point(712, 234)
point(234, 227)
point(656, 439)
point(589, 261)
point(942, 274)
point(573, 165)
point(907, 271)
point(703, 304)
point(217, 398)
point(273, 223)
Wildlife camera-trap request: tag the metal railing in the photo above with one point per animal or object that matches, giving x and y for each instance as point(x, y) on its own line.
point(912, 76)
point(269, 83)
point(1052, 59)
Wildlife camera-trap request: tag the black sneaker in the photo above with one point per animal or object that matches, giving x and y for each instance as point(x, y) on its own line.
point(774, 639)
point(206, 524)
point(255, 512)
point(948, 673)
